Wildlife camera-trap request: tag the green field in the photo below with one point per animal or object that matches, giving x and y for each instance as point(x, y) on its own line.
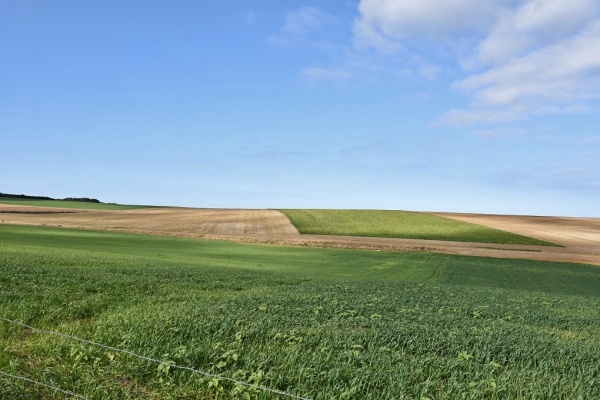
point(399, 224)
point(68, 204)
point(316, 323)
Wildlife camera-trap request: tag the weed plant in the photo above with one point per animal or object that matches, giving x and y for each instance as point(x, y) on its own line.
point(317, 323)
point(399, 224)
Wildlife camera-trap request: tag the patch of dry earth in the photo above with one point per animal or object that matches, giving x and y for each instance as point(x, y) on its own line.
point(581, 234)
point(188, 221)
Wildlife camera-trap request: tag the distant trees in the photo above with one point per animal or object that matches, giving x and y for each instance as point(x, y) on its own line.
point(85, 199)
point(24, 196)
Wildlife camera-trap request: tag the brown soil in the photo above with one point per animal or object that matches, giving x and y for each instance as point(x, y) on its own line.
point(579, 236)
point(568, 232)
point(182, 221)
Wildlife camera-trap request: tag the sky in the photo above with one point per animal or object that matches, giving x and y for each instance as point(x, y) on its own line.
point(488, 106)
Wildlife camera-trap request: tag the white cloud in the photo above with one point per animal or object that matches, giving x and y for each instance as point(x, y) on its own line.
point(519, 57)
point(298, 23)
point(558, 78)
point(303, 20)
point(364, 67)
point(391, 24)
point(532, 25)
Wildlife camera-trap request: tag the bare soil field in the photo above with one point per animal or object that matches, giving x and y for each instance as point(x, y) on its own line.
point(580, 237)
point(177, 221)
point(568, 232)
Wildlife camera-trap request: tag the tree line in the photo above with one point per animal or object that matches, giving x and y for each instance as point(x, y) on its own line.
point(27, 197)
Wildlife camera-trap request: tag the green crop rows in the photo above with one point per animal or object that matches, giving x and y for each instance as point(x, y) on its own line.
point(399, 224)
point(69, 204)
point(317, 323)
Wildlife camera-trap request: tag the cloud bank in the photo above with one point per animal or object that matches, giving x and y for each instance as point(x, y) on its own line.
point(518, 57)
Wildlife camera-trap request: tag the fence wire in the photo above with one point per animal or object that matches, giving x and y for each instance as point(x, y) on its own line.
point(23, 378)
point(156, 361)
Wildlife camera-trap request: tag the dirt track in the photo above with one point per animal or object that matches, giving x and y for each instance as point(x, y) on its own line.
point(579, 236)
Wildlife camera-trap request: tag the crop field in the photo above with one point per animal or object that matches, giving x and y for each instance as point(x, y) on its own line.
point(399, 224)
point(577, 237)
point(314, 323)
point(79, 205)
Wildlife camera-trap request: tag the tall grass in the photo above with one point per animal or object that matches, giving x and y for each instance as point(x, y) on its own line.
point(399, 224)
point(320, 323)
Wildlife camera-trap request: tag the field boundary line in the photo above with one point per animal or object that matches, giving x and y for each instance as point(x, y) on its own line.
point(24, 378)
point(156, 361)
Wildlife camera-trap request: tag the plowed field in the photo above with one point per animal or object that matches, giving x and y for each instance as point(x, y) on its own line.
point(580, 237)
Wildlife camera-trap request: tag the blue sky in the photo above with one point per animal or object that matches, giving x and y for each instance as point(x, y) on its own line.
point(455, 105)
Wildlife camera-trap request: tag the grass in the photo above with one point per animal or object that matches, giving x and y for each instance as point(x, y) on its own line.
point(399, 224)
point(82, 205)
point(318, 323)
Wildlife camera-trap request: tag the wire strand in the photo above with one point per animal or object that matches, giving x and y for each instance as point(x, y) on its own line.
point(225, 378)
point(23, 378)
